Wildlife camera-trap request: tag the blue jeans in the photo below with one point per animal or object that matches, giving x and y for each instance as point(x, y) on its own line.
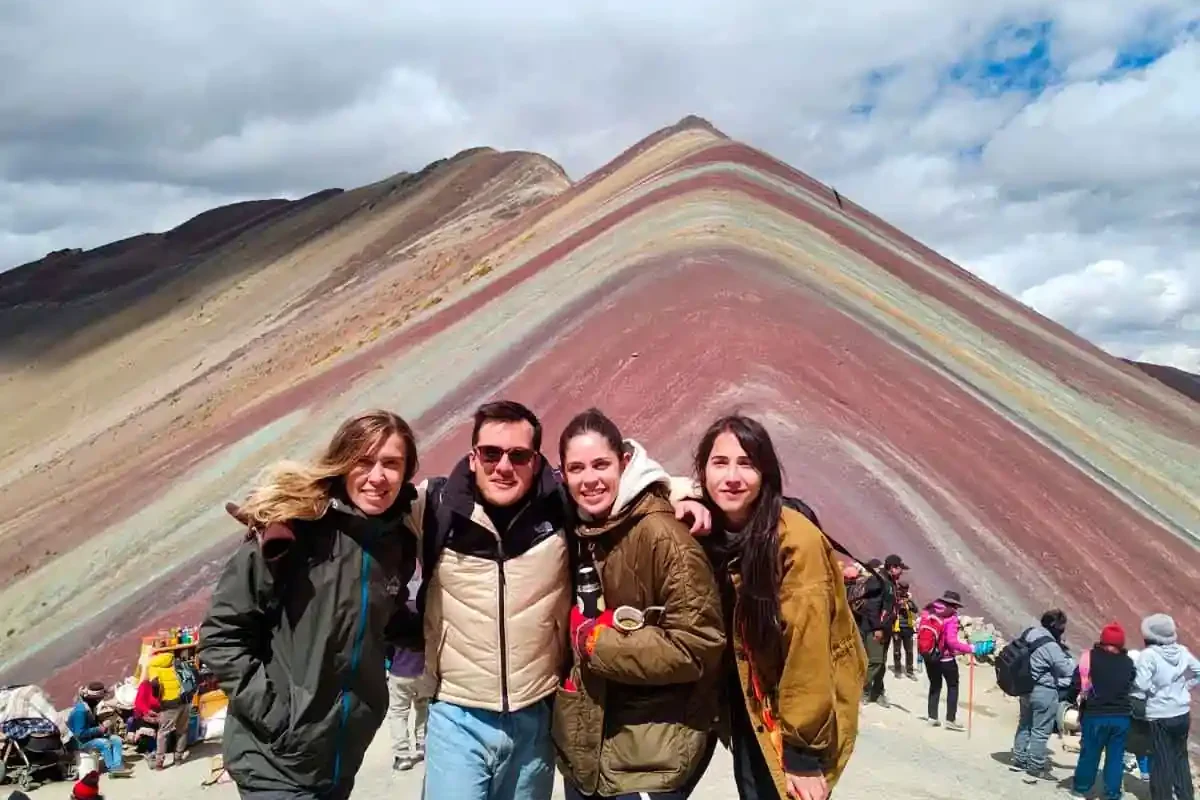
point(1102, 733)
point(109, 748)
point(471, 754)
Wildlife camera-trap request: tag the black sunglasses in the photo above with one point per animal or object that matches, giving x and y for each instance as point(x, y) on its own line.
point(517, 456)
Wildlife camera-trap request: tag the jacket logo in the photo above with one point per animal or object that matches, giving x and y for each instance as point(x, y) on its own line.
point(543, 528)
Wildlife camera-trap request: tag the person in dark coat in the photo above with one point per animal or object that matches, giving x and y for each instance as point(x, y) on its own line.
point(1105, 680)
point(306, 608)
point(878, 617)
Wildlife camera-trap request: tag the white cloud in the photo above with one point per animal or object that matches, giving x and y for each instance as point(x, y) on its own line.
point(1112, 294)
point(1140, 128)
point(120, 122)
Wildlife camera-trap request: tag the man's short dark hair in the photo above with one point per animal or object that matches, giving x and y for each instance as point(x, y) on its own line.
point(1054, 620)
point(506, 411)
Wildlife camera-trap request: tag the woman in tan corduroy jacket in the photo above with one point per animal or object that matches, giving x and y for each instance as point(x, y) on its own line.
point(795, 663)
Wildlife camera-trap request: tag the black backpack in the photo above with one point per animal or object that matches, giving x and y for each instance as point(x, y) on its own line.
point(1014, 673)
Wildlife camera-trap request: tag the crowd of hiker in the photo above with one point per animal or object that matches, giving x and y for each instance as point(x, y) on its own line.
point(1134, 703)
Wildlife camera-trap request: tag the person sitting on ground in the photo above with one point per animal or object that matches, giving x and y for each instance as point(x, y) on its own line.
point(903, 630)
point(93, 735)
point(1052, 670)
point(1105, 680)
point(940, 618)
point(635, 717)
point(1166, 673)
point(147, 706)
point(795, 664)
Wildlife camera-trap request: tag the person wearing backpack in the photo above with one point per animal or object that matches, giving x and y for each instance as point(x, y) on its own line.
point(175, 708)
point(1034, 668)
point(1105, 680)
point(939, 646)
point(878, 616)
point(1166, 673)
point(903, 631)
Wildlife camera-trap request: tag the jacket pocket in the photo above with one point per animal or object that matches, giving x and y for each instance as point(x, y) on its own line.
point(647, 736)
point(576, 726)
point(263, 705)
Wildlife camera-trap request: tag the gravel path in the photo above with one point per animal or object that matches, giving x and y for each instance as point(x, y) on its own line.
point(897, 756)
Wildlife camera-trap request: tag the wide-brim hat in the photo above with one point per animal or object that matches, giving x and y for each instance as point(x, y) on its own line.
point(951, 598)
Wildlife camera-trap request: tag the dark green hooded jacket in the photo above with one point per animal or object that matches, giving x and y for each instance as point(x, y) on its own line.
point(297, 636)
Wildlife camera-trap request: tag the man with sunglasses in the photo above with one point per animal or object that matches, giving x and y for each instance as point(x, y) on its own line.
point(496, 603)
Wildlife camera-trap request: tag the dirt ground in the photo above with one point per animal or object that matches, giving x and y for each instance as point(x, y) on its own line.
point(897, 756)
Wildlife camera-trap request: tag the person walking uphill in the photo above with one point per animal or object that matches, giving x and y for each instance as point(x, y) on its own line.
point(1050, 671)
point(940, 646)
point(795, 663)
point(879, 615)
point(302, 616)
point(634, 718)
point(1166, 673)
point(1106, 678)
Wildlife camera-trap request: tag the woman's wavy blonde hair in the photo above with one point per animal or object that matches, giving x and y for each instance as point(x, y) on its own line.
point(292, 490)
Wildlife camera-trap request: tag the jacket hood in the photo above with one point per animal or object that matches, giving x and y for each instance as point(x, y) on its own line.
point(640, 474)
point(1173, 654)
point(277, 538)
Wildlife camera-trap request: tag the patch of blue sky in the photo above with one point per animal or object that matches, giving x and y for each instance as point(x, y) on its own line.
point(1012, 57)
point(1154, 39)
point(873, 84)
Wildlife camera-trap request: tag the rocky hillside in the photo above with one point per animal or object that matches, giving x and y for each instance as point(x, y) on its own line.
point(917, 408)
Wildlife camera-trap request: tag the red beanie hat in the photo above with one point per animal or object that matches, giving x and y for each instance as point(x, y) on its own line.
point(1113, 634)
point(88, 787)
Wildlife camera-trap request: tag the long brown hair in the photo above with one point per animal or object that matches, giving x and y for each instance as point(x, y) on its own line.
point(761, 562)
point(292, 490)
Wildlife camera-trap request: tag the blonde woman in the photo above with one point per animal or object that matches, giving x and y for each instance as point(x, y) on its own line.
point(302, 616)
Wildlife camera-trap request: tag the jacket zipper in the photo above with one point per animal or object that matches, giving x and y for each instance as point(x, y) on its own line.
point(503, 637)
point(355, 657)
point(503, 620)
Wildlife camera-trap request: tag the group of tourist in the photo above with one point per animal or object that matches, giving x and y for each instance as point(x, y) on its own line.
point(1129, 701)
point(562, 617)
point(889, 618)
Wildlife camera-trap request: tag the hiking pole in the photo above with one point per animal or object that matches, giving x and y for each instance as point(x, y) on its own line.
point(970, 694)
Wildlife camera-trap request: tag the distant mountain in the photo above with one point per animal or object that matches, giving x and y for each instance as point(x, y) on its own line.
point(1182, 381)
point(918, 409)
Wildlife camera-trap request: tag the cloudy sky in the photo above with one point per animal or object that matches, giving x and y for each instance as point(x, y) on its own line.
point(1052, 146)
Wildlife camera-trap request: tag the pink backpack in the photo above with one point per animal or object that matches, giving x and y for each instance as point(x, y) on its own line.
point(1085, 673)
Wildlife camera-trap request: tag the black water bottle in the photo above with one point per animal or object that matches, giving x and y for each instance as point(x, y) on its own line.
point(589, 597)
